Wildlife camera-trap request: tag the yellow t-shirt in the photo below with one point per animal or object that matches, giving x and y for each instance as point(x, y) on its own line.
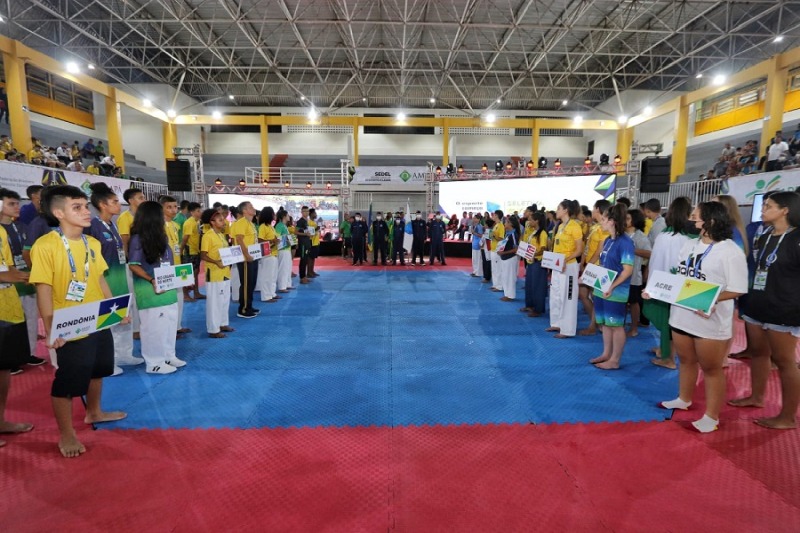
point(567, 238)
point(51, 267)
point(498, 233)
point(124, 223)
point(212, 242)
point(268, 233)
point(648, 223)
point(245, 228)
point(539, 242)
point(92, 169)
point(191, 229)
point(527, 233)
point(315, 237)
point(597, 236)
point(227, 229)
point(173, 239)
point(10, 304)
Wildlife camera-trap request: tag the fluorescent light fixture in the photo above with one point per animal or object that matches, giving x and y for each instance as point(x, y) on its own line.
point(73, 68)
point(216, 115)
point(91, 66)
point(622, 119)
point(231, 97)
point(401, 116)
point(719, 79)
point(363, 98)
point(564, 102)
point(490, 118)
point(147, 103)
point(499, 100)
point(432, 100)
point(303, 98)
point(171, 113)
point(699, 75)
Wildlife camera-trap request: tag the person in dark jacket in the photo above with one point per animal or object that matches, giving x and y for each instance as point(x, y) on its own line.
point(380, 239)
point(436, 231)
point(398, 235)
point(359, 230)
point(420, 231)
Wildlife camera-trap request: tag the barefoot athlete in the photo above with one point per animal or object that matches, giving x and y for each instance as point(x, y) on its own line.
point(68, 270)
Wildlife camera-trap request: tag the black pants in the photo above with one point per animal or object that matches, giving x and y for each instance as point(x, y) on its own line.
point(437, 251)
point(487, 265)
point(382, 247)
point(359, 254)
point(303, 250)
point(418, 250)
point(772, 166)
point(397, 250)
point(247, 280)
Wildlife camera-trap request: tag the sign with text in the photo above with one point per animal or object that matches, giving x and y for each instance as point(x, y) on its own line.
point(390, 177)
point(81, 320)
point(689, 293)
point(553, 261)
point(526, 251)
point(598, 277)
point(231, 255)
point(18, 177)
point(173, 277)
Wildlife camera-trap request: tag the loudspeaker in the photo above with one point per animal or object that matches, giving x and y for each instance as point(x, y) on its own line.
point(655, 174)
point(179, 175)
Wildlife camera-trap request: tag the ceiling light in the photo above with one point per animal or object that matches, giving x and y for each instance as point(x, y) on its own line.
point(564, 102)
point(647, 110)
point(622, 119)
point(313, 114)
point(91, 67)
point(490, 118)
point(509, 166)
point(556, 163)
point(73, 67)
point(2, 19)
point(363, 98)
point(401, 116)
point(617, 159)
point(460, 169)
point(699, 75)
point(147, 103)
point(231, 97)
point(265, 181)
point(286, 183)
point(216, 115)
point(578, 119)
point(484, 168)
point(432, 100)
point(719, 79)
point(303, 98)
point(438, 171)
point(171, 113)
point(778, 39)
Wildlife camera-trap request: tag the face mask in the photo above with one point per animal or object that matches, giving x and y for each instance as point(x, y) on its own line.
point(379, 218)
point(438, 217)
point(419, 217)
point(398, 220)
point(358, 219)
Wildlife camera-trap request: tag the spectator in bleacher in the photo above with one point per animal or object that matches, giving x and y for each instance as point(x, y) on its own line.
point(36, 155)
point(728, 150)
point(721, 167)
point(93, 168)
point(5, 144)
point(64, 154)
point(88, 148)
point(776, 154)
point(75, 151)
point(99, 151)
point(107, 165)
point(76, 166)
point(51, 159)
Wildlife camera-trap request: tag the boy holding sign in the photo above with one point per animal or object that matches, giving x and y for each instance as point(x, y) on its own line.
point(68, 270)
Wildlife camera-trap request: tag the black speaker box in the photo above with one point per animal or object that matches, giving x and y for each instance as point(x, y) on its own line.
point(179, 175)
point(655, 174)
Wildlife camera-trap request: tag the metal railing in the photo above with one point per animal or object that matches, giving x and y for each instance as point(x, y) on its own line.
point(294, 176)
point(696, 191)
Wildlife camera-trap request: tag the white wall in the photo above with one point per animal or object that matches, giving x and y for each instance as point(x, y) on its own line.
point(657, 130)
point(143, 136)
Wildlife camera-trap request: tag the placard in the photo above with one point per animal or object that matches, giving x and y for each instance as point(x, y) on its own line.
point(255, 251)
point(81, 320)
point(553, 261)
point(526, 251)
point(231, 255)
point(598, 277)
point(173, 277)
point(689, 293)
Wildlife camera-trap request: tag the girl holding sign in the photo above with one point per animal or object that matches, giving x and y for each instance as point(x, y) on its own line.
point(610, 305)
point(568, 241)
point(218, 275)
point(509, 265)
point(284, 282)
point(535, 275)
point(701, 340)
point(158, 311)
point(772, 309)
point(268, 265)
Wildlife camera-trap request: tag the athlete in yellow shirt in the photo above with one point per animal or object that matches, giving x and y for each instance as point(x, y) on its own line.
point(218, 275)
point(568, 241)
point(190, 246)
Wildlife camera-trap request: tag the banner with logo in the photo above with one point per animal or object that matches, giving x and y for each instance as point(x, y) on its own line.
point(689, 293)
point(81, 320)
point(744, 188)
point(18, 177)
point(174, 277)
point(390, 177)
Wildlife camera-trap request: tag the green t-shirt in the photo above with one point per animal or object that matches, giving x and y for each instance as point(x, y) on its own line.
point(345, 229)
point(180, 218)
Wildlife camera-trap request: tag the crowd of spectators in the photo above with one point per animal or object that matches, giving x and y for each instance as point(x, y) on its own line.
point(90, 158)
point(782, 153)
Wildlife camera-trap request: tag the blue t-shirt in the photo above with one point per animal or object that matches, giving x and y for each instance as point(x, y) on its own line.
point(109, 240)
point(38, 227)
point(477, 233)
point(617, 253)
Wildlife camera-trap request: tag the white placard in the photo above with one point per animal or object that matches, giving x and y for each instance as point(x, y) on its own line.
point(231, 255)
point(81, 320)
point(311, 230)
point(255, 251)
point(689, 293)
point(173, 277)
point(553, 261)
point(598, 277)
point(390, 177)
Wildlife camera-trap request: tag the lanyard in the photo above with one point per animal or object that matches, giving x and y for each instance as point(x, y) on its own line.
point(772, 257)
point(606, 249)
point(172, 230)
point(2, 257)
point(221, 238)
point(112, 229)
point(19, 237)
point(700, 259)
point(72, 261)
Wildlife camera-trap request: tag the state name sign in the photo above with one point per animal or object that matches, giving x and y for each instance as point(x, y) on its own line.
point(231, 255)
point(526, 251)
point(553, 261)
point(81, 320)
point(689, 293)
point(598, 277)
point(173, 277)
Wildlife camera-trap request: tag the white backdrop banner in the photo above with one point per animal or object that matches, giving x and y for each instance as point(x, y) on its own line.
point(18, 177)
point(744, 188)
point(390, 177)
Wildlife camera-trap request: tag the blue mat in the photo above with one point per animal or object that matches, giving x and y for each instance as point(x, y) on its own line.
point(359, 348)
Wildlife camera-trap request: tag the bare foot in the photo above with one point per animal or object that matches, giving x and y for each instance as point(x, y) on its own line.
point(71, 446)
point(656, 350)
point(607, 365)
point(587, 332)
point(632, 333)
point(664, 363)
point(747, 401)
point(226, 328)
point(776, 422)
point(553, 329)
point(102, 416)
point(599, 359)
point(744, 354)
point(10, 427)
point(560, 336)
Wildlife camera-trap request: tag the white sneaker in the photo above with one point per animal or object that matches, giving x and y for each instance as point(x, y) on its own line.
point(177, 363)
point(117, 371)
point(129, 361)
point(162, 369)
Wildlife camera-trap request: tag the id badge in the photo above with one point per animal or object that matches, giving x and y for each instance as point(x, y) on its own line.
point(19, 262)
point(176, 250)
point(4, 268)
point(165, 264)
point(121, 256)
point(760, 281)
point(76, 291)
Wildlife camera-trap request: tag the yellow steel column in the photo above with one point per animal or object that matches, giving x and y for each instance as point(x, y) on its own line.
point(445, 143)
point(355, 141)
point(773, 104)
point(624, 140)
point(681, 139)
point(264, 143)
point(114, 128)
point(17, 91)
point(170, 139)
point(535, 136)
